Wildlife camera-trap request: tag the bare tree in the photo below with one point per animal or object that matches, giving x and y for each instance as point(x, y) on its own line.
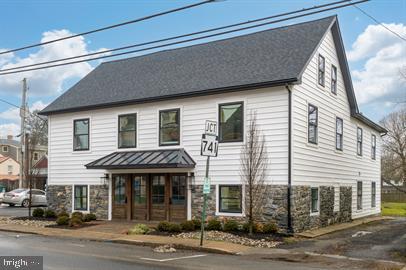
point(394, 147)
point(254, 162)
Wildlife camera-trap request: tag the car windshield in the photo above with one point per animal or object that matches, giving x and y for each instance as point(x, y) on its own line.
point(18, 190)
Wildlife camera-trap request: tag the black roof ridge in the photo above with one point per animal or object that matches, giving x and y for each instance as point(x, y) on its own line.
point(220, 40)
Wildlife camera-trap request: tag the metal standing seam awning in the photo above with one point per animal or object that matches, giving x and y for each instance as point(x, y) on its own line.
point(147, 159)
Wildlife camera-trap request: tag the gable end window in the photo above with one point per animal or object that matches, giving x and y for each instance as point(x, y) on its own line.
point(312, 124)
point(339, 134)
point(81, 134)
point(373, 147)
point(169, 127)
point(127, 131)
point(373, 194)
point(5, 148)
point(231, 119)
point(80, 198)
point(230, 199)
point(315, 200)
point(359, 141)
point(322, 70)
point(359, 195)
point(333, 79)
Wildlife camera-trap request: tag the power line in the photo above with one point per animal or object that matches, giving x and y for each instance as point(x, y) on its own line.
point(109, 27)
point(176, 37)
point(18, 107)
point(187, 40)
point(378, 22)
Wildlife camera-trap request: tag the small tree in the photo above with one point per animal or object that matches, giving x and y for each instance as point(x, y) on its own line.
point(254, 162)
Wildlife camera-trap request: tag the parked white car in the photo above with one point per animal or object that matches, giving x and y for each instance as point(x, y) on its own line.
point(1, 197)
point(22, 197)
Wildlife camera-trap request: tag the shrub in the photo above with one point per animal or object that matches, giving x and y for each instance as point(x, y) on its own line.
point(63, 213)
point(49, 213)
point(163, 226)
point(231, 226)
point(270, 227)
point(62, 220)
point(139, 229)
point(78, 215)
point(255, 228)
point(198, 223)
point(75, 221)
point(89, 217)
point(188, 225)
point(213, 225)
point(38, 213)
point(174, 228)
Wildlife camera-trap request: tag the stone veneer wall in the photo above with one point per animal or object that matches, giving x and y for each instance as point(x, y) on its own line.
point(60, 197)
point(197, 202)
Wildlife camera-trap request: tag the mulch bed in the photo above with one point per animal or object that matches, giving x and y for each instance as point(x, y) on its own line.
point(33, 218)
point(67, 227)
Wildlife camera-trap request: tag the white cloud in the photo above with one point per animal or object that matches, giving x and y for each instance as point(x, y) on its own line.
point(9, 129)
point(379, 80)
point(47, 81)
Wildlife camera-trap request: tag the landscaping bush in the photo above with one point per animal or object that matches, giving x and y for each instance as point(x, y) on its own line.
point(174, 228)
point(38, 213)
point(78, 215)
point(89, 217)
point(213, 225)
point(270, 227)
point(63, 213)
point(49, 213)
point(231, 226)
point(188, 225)
point(139, 229)
point(163, 226)
point(198, 223)
point(255, 228)
point(75, 221)
point(62, 220)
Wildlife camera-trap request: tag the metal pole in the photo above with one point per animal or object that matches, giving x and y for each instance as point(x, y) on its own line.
point(204, 205)
point(22, 132)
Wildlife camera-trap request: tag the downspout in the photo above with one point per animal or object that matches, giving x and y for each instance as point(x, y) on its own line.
point(290, 227)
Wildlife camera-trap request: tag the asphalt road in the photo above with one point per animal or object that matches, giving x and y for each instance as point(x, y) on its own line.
point(61, 254)
point(15, 211)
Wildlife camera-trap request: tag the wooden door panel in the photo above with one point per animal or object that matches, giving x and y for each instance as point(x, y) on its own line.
point(178, 198)
point(119, 197)
point(158, 191)
point(139, 197)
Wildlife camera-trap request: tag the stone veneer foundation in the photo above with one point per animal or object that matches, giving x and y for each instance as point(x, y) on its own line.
point(275, 208)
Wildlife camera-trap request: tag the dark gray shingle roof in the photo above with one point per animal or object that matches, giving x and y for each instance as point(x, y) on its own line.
point(268, 57)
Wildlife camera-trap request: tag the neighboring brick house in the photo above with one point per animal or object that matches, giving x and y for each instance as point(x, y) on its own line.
point(124, 142)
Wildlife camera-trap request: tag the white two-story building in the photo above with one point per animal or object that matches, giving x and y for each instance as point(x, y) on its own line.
point(124, 142)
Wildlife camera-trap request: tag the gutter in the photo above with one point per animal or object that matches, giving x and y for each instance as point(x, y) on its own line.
point(289, 194)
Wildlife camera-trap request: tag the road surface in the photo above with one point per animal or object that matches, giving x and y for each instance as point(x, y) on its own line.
point(15, 211)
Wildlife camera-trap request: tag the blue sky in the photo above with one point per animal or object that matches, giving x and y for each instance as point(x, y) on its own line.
point(370, 47)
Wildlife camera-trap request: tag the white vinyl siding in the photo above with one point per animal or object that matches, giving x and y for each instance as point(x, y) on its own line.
point(271, 104)
point(322, 164)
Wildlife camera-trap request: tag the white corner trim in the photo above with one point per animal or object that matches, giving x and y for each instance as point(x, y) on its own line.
point(110, 208)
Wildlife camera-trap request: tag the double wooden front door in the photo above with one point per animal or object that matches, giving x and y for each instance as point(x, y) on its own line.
point(150, 197)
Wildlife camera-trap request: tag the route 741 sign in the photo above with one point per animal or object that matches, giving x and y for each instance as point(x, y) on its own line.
point(209, 146)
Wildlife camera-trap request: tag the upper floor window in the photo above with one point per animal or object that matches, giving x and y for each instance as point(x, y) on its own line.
point(10, 169)
point(373, 146)
point(312, 124)
point(333, 79)
point(81, 134)
point(339, 133)
point(231, 119)
point(359, 141)
point(322, 70)
point(4, 148)
point(127, 131)
point(169, 127)
point(36, 156)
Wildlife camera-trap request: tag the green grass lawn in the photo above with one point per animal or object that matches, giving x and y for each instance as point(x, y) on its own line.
point(394, 209)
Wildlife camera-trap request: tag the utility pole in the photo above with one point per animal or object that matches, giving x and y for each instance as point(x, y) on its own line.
point(23, 109)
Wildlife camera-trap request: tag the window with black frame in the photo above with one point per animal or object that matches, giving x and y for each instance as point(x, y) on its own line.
point(80, 198)
point(312, 124)
point(315, 200)
point(373, 147)
point(127, 131)
point(231, 121)
point(359, 141)
point(322, 70)
point(158, 190)
point(333, 79)
point(81, 134)
point(230, 199)
point(373, 194)
point(359, 195)
point(178, 195)
point(169, 127)
point(339, 134)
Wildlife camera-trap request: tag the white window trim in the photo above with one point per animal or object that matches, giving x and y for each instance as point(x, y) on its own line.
point(170, 146)
point(5, 147)
point(227, 214)
point(87, 211)
point(73, 135)
point(136, 112)
point(318, 201)
point(245, 116)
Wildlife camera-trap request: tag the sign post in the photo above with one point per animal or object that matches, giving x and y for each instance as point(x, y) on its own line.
point(209, 148)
